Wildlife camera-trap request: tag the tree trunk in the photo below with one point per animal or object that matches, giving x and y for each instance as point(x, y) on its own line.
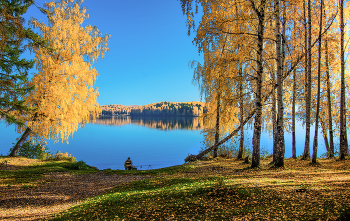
point(315, 144)
point(324, 131)
point(280, 130)
point(345, 134)
point(308, 97)
point(345, 129)
point(217, 125)
point(273, 116)
point(283, 40)
point(342, 142)
point(330, 117)
point(260, 70)
point(241, 108)
point(294, 149)
point(19, 143)
point(281, 78)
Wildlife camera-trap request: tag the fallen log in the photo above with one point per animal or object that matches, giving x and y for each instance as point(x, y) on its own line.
point(192, 158)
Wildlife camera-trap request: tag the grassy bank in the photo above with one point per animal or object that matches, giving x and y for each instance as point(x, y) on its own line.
point(26, 172)
point(214, 190)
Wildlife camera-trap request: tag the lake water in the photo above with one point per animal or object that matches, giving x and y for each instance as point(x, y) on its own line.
point(151, 143)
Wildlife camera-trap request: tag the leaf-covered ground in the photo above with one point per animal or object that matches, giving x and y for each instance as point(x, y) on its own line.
point(34, 189)
point(226, 189)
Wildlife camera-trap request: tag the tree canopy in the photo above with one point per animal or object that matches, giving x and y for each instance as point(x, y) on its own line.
point(64, 95)
point(277, 50)
point(14, 40)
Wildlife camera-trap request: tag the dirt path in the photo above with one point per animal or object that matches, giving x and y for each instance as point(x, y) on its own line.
point(56, 192)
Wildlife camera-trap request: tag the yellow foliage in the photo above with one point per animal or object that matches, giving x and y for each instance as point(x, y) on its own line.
point(64, 90)
point(234, 26)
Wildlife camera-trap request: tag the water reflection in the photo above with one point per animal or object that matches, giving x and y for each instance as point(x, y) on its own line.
point(161, 123)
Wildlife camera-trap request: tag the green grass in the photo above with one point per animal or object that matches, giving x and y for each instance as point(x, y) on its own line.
point(166, 170)
point(160, 198)
point(29, 174)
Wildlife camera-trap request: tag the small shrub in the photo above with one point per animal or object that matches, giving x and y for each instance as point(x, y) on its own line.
point(325, 155)
point(246, 152)
point(43, 156)
point(61, 156)
point(80, 165)
point(225, 152)
point(32, 151)
point(300, 156)
point(264, 153)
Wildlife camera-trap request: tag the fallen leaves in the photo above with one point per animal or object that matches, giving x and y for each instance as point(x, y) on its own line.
point(234, 192)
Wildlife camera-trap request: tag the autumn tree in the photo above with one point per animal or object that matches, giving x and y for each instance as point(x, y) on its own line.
point(216, 88)
point(272, 50)
point(294, 148)
point(342, 115)
point(293, 85)
point(242, 98)
point(64, 93)
point(308, 81)
point(227, 17)
point(315, 144)
point(329, 105)
point(279, 159)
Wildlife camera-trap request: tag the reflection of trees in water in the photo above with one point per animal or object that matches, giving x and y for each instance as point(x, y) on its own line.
point(162, 123)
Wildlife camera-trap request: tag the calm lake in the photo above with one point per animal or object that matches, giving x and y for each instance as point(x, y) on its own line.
point(151, 143)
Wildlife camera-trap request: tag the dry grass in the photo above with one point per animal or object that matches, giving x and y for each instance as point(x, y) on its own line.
point(17, 163)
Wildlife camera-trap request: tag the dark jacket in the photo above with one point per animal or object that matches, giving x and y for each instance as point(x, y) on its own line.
point(128, 163)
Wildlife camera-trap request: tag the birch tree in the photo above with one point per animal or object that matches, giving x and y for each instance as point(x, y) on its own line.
point(315, 144)
point(64, 94)
point(261, 46)
point(342, 115)
point(279, 160)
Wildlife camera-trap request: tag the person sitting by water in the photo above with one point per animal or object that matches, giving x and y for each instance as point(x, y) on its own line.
point(128, 164)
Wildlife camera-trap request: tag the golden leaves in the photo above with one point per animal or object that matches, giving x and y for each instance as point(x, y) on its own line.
point(64, 89)
point(234, 25)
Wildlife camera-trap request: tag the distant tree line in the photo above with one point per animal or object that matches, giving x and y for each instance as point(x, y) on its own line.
point(161, 109)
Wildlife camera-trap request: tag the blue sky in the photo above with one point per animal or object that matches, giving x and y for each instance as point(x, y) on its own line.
point(149, 51)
